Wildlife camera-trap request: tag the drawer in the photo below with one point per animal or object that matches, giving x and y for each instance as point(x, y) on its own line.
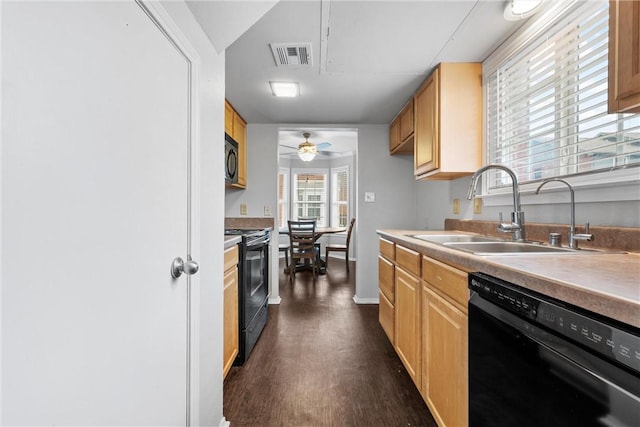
point(387, 317)
point(230, 257)
point(388, 249)
point(450, 282)
point(386, 279)
point(408, 259)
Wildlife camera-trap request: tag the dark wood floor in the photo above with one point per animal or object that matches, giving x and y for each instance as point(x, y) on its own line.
point(322, 360)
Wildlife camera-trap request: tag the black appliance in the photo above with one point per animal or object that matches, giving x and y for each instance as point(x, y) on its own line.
point(230, 160)
point(253, 289)
point(535, 361)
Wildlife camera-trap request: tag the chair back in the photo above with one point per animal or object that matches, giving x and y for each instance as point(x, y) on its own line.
point(302, 235)
point(353, 221)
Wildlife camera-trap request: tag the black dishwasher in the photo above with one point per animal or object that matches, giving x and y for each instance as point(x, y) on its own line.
point(535, 361)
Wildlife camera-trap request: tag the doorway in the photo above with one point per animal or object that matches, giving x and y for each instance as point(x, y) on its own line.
point(324, 187)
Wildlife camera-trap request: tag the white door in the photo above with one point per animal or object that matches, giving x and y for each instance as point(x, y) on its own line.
point(96, 119)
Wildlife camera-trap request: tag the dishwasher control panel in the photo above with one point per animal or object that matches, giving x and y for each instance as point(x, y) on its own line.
point(581, 326)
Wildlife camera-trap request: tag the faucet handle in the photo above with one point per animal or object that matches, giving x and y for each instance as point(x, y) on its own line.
point(586, 228)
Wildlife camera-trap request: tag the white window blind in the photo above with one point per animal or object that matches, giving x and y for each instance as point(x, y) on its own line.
point(310, 193)
point(546, 104)
point(340, 197)
point(283, 197)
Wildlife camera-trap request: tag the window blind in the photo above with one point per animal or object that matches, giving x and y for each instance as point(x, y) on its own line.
point(339, 197)
point(310, 192)
point(546, 104)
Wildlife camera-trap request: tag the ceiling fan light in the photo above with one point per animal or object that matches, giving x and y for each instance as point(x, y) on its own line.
point(285, 89)
point(307, 151)
point(521, 9)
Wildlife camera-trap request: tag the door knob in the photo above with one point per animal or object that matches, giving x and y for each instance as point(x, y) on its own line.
point(178, 266)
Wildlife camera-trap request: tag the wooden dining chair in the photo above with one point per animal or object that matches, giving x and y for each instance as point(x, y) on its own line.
point(340, 248)
point(302, 239)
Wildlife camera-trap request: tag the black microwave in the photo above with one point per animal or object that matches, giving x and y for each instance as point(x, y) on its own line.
point(230, 160)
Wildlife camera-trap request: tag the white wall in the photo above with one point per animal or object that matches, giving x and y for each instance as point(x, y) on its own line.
point(624, 213)
point(391, 179)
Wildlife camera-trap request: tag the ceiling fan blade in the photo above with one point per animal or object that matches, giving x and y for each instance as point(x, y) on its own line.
point(323, 145)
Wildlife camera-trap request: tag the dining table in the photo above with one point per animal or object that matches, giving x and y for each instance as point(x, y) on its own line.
point(322, 264)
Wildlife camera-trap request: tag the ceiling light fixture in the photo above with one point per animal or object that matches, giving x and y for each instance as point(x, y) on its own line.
point(285, 89)
point(516, 10)
point(307, 151)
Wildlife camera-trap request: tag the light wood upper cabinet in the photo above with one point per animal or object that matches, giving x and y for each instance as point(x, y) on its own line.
point(394, 134)
point(401, 131)
point(406, 121)
point(624, 56)
point(231, 334)
point(448, 122)
point(236, 127)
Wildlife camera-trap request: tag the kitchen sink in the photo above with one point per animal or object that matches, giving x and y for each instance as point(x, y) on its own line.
point(513, 248)
point(453, 238)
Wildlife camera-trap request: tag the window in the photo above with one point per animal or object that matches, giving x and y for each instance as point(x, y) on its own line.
point(310, 195)
point(283, 197)
point(340, 197)
point(546, 102)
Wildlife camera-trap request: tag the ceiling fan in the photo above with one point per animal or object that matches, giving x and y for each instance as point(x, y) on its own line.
point(307, 150)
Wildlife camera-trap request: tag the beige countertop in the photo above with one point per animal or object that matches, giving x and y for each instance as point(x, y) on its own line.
point(605, 283)
point(231, 240)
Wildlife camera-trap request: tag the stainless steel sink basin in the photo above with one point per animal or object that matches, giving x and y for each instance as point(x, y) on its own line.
point(509, 248)
point(453, 238)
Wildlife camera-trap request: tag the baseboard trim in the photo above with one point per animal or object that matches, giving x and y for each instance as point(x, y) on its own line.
point(275, 301)
point(358, 300)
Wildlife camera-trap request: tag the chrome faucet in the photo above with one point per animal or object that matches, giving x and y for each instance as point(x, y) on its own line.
point(573, 237)
point(516, 226)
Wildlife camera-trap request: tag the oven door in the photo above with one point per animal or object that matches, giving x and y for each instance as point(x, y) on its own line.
point(256, 265)
point(520, 375)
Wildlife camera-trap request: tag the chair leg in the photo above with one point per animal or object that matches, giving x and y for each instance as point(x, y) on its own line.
point(286, 258)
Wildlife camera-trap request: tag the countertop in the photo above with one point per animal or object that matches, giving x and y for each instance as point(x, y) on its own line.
point(231, 240)
point(605, 283)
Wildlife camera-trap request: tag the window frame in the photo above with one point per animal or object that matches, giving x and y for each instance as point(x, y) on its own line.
point(283, 202)
point(621, 183)
point(294, 188)
point(334, 210)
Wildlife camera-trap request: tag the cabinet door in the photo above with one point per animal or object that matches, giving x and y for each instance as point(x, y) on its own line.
point(624, 56)
point(445, 365)
point(407, 312)
point(386, 316)
point(426, 137)
point(231, 335)
point(228, 118)
point(240, 135)
point(406, 121)
point(394, 134)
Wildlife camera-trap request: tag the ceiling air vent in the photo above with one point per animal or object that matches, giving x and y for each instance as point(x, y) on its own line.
point(291, 54)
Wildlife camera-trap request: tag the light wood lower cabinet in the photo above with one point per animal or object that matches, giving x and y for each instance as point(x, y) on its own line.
point(426, 308)
point(408, 322)
point(444, 342)
point(444, 368)
point(231, 335)
point(386, 280)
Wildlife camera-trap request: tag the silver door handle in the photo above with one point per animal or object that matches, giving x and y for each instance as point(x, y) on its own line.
point(178, 266)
